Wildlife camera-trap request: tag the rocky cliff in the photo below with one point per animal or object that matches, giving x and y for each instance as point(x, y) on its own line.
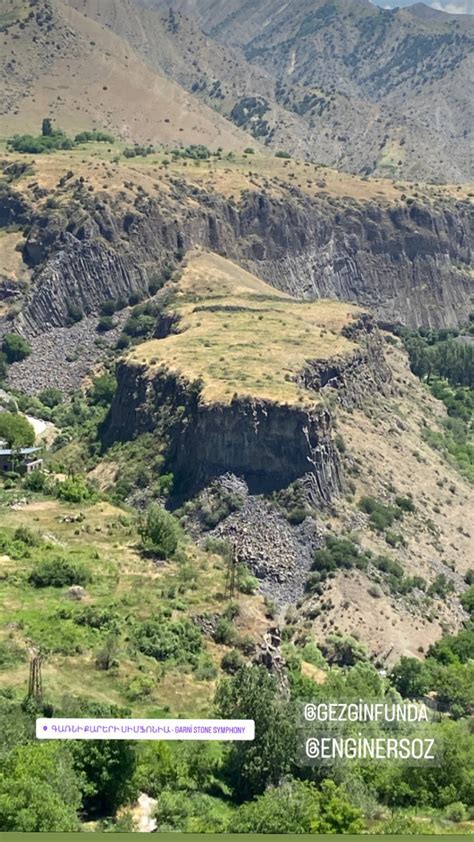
point(407, 262)
point(269, 444)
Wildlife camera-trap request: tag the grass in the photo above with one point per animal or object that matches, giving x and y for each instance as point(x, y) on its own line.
point(127, 585)
point(104, 167)
point(241, 336)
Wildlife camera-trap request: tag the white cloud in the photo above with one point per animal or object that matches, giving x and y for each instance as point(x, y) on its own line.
point(461, 7)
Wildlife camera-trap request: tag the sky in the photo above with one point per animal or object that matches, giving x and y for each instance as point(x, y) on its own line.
point(459, 7)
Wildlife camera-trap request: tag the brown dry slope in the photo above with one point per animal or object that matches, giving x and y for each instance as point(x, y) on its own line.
point(58, 63)
point(387, 456)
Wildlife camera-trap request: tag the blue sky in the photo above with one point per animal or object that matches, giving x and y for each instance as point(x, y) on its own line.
point(465, 7)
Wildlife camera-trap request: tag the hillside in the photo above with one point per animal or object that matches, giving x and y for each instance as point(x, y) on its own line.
point(60, 64)
point(264, 347)
point(236, 431)
point(89, 225)
point(410, 74)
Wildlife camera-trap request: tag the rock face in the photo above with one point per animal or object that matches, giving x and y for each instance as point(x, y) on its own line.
point(407, 263)
point(269, 445)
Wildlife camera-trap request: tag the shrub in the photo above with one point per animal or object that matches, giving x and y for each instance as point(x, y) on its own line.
point(16, 430)
point(140, 687)
point(51, 397)
point(224, 632)
point(27, 536)
point(381, 517)
point(35, 481)
point(103, 389)
point(282, 154)
point(97, 136)
point(247, 583)
point(15, 347)
point(339, 553)
point(456, 812)
point(232, 661)
point(441, 586)
point(406, 504)
point(298, 515)
point(57, 573)
point(74, 490)
point(206, 669)
point(105, 324)
point(164, 639)
point(159, 532)
point(75, 312)
point(467, 601)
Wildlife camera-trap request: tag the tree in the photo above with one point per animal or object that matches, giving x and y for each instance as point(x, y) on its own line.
point(159, 532)
point(39, 789)
point(16, 430)
point(467, 601)
point(103, 389)
point(298, 807)
point(249, 767)
point(290, 808)
point(410, 677)
point(107, 765)
point(47, 127)
point(51, 397)
point(15, 347)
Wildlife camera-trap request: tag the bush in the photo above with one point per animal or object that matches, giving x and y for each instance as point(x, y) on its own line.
point(406, 504)
point(232, 661)
point(456, 812)
point(224, 632)
point(381, 517)
point(74, 490)
point(75, 312)
point(164, 639)
point(57, 573)
point(16, 430)
point(467, 601)
point(105, 324)
point(247, 583)
point(15, 347)
point(51, 397)
point(140, 687)
point(160, 532)
point(35, 481)
point(97, 136)
point(103, 390)
point(339, 553)
point(282, 154)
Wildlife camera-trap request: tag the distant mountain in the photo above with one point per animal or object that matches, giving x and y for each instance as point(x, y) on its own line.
point(407, 73)
point(59, 63)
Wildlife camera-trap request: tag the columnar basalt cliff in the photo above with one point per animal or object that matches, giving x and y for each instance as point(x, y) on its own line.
point(407, 263)
point(269, 445)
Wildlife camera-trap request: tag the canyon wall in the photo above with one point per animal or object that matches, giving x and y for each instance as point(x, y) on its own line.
point(408, 264)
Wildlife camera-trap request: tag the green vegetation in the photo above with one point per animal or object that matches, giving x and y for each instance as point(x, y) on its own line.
point(138, 151)
point(52, 139)
point(57, 573)
point(196, 152)
point(447, 366)
point(167, 640)
point(16, 430)
point(15, 347)
point(94, 137)
point(448, 671)
point(299, 807)
point(159, 532)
